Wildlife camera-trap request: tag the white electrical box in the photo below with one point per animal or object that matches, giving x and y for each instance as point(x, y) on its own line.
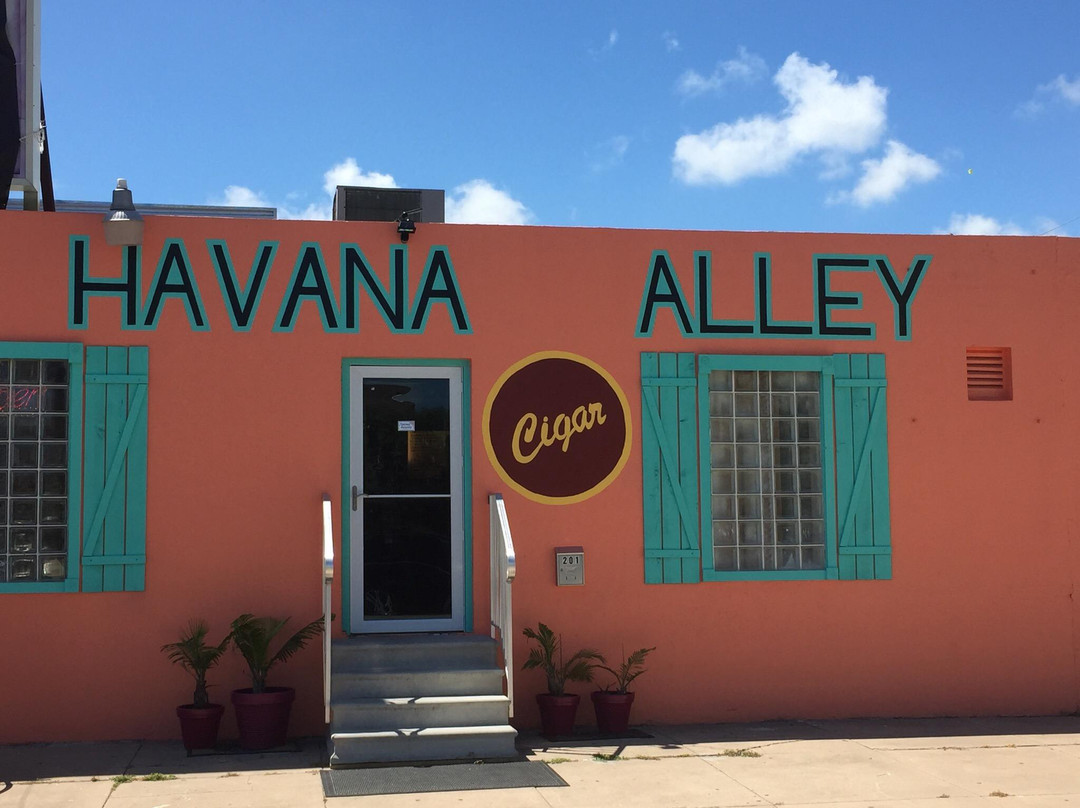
point(570, 566)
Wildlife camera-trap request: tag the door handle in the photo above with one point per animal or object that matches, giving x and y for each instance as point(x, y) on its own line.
point(355, 496)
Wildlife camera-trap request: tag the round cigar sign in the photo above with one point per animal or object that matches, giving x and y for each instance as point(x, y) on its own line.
point(557, 427)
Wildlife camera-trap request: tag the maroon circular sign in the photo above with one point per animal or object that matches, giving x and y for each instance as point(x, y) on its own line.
point(557, 427)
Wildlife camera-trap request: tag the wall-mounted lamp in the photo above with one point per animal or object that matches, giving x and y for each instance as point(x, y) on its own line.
point(405, 226)
point(123, 224)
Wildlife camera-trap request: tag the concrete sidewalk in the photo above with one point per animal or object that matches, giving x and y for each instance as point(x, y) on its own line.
point(913, 763)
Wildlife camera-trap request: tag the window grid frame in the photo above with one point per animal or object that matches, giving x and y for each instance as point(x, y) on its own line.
point(72, 352)
point(822, 365)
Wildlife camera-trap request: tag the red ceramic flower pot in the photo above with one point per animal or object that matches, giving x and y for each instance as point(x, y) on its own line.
point(612, 711)
point(557, 713)
point(199, 725)
point(263, 718)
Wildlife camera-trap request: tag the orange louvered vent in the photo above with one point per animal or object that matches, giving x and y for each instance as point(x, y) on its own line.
point(989, 374)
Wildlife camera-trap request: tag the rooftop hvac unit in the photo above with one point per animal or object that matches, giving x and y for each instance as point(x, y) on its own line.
point(353, 204)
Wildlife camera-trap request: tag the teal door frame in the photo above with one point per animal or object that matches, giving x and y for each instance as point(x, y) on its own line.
point(466, 459)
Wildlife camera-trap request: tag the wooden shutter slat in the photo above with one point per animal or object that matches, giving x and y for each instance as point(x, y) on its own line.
point(135, 499)
point(650, 477)
point(671, 491)
point(688, 466)
point(666, 553)
point(100, 561)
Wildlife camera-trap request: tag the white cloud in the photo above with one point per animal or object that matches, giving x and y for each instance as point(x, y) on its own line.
point(479, 202)
point(1068, 90)
point(728, 153)
point(826, 114)
point(610, 153)
point(746, 67)
point(975, 224)
point(612, 38)
point(693, 83)
point(1029, 109)
point(1060, 89)
point(883, 179)
point(671, 42)
point(348, 172)
point(315, 210)
point(823, 116)
point(238, 196)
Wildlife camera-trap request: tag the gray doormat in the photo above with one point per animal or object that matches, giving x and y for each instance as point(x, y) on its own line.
point(440, 777)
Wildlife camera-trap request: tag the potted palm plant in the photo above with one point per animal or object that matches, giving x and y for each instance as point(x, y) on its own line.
point(557, 707)
point(262, 712)
point(199, 721)
point(612, 704)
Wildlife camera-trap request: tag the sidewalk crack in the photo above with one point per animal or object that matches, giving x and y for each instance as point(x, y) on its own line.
point(127, 768)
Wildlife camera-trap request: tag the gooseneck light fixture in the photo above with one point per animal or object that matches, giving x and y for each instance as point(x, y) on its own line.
point(123, 224)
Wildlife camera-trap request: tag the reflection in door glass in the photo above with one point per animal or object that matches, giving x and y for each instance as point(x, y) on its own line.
point(407, 558)
point(406, 436)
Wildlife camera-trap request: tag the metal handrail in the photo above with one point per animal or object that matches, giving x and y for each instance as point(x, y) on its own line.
point(328, 579)
point(503, 572)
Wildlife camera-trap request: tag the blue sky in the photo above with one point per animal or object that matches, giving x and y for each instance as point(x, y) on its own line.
point(903, 117)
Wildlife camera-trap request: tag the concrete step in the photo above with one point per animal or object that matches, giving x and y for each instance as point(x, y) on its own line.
point(376, 714)
point(413, 651)
point(395, 682)
point(423, 744)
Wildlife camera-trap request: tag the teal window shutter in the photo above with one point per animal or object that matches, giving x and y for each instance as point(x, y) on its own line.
point(862, 467)
point(114, 479)
point(669, 468)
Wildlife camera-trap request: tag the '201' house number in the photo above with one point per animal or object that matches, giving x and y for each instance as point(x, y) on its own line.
point(570, 566)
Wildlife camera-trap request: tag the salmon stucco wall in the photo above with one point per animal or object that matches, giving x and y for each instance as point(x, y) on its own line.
point(245, 435)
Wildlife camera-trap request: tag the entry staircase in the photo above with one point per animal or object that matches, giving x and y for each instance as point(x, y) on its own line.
point(393, 698)
point(418, 697)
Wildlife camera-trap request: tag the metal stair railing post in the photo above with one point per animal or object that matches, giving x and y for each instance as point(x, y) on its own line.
point(503, 572)
point(328, 579)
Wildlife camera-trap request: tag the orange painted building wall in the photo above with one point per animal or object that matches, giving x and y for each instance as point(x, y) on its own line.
point(245, 436)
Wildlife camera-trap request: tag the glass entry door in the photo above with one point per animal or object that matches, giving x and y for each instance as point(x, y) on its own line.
point(406, 524)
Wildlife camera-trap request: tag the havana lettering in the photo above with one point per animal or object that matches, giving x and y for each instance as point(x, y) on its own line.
point(174, 263)
point(176, 278)
point(662, 290)
point(561, 429)
point(242, 302)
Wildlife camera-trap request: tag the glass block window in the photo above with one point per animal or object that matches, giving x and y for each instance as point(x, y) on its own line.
point(34, 474)
point(764, 468)
point(765, 463)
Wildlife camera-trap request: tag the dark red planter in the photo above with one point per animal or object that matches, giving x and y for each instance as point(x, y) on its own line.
point(612, 711)
point(557, 713)
point(199, 725)
point(263, 718)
